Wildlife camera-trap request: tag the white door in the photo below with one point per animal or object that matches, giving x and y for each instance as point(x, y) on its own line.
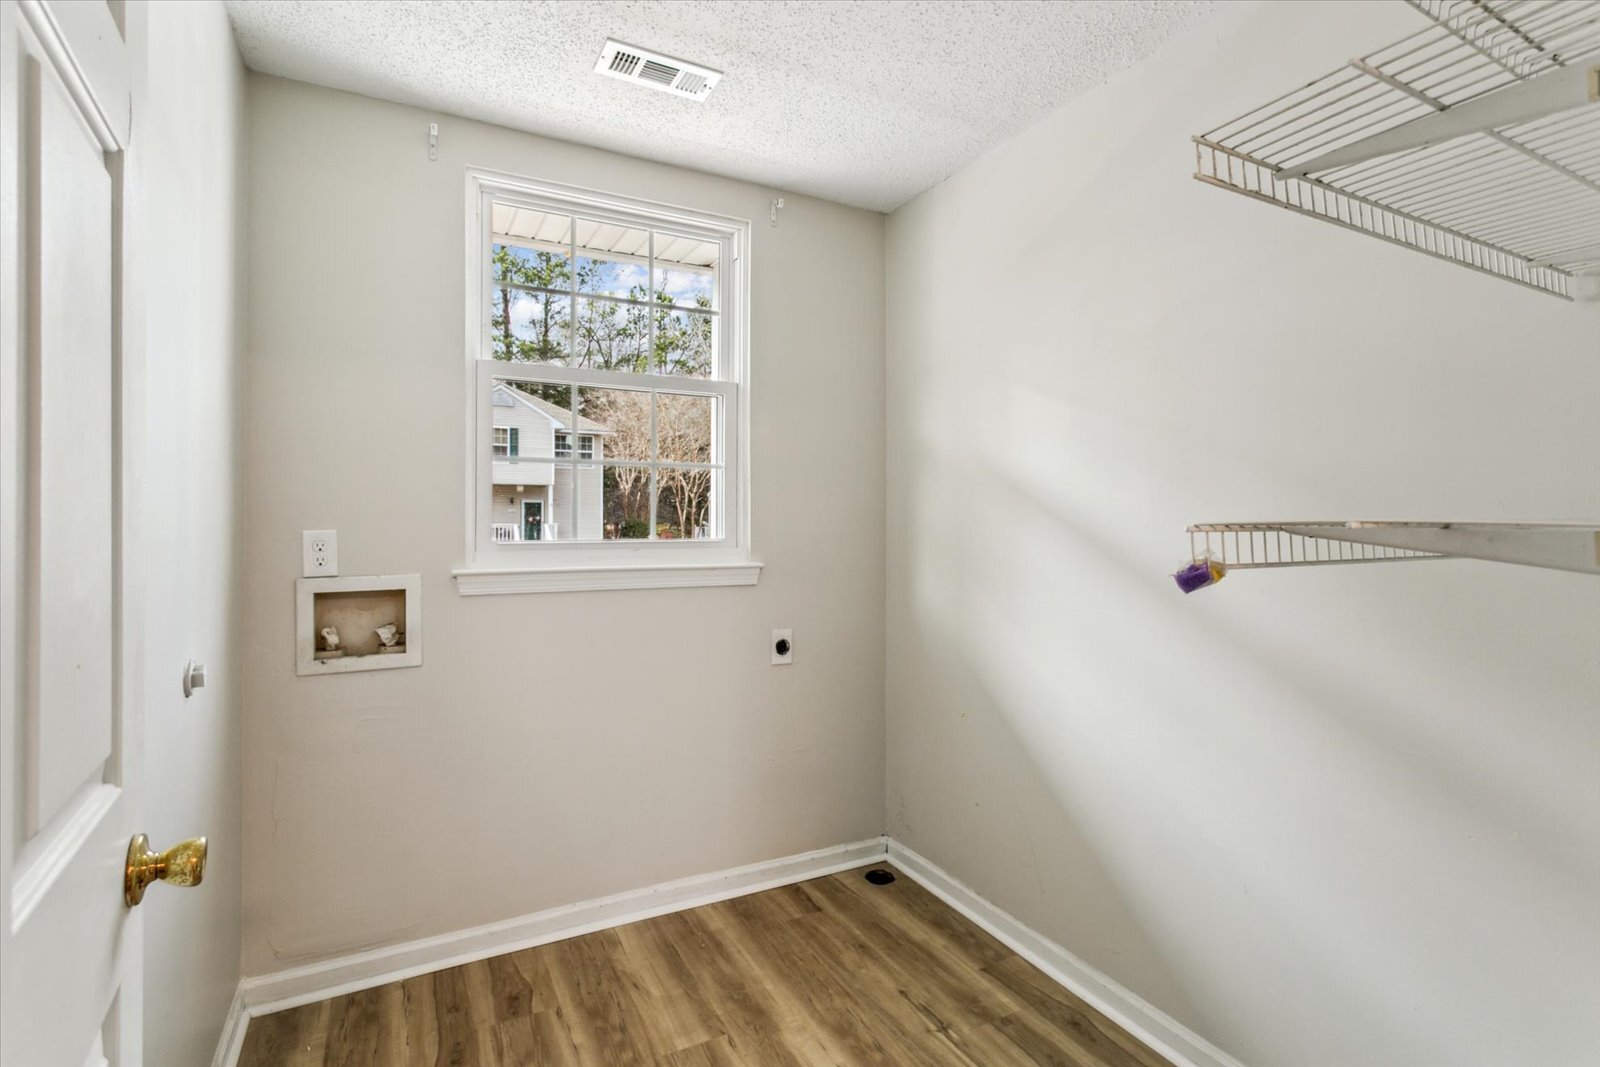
point(69, 737)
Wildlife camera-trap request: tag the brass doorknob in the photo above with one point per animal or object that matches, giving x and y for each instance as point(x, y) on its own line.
point(182, 864)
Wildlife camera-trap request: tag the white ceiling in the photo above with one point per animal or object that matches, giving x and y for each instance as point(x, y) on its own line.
point(867, 103)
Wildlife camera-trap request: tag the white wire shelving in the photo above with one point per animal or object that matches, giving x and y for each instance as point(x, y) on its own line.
point(1475, 140)
point(1247, 545)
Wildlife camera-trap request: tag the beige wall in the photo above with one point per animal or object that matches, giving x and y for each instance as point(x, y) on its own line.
point(1341, 815)
point(187, 176)
point(654, 741)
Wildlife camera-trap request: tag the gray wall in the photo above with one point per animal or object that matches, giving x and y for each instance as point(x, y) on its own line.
point(1341, 815)
point(187, 171)
point(552, 747)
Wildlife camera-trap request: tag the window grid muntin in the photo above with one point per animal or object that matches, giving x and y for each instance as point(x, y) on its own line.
point(693, 309)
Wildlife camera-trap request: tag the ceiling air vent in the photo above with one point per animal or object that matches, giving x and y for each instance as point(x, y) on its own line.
point(640, 65)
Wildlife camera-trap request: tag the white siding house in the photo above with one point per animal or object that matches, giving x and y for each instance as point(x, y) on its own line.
point(533, 490)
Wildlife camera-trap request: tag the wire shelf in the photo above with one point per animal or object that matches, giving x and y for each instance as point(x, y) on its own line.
point(1520, 201)
point(1246, 545)
point(1564, 546)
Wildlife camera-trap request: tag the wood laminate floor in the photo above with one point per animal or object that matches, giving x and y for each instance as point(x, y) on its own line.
point(832, 971)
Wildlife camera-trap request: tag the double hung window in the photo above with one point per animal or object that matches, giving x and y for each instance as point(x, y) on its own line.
point(608, 344)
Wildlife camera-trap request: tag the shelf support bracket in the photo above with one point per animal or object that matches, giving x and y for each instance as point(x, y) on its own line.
point(1557, 546)
point(1536, 98)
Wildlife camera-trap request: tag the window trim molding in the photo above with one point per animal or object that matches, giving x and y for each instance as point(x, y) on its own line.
point(486, 581)
point(607, 565)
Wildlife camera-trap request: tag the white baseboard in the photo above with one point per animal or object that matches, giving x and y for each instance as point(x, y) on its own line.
point(268, 993)
point(1155, 1028)
point(231, 1041)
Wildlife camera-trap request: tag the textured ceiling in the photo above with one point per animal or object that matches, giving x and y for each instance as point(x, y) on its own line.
point(867, 103)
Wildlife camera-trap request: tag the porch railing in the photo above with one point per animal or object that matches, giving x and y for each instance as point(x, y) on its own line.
point(506, 533)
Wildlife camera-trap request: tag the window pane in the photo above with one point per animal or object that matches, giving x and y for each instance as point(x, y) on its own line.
point(531, 247)
point(529, 327)
point(683, 503)
point(627, 502)
point(684, 427)
point(616, 422)
point(613, 336)
point(684, 343)
point(535, 267)
point(523, 471)
point(613, 259)
point(530, 251)
point(686, 270)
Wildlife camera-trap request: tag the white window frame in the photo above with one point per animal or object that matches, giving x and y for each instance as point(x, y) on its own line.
point(618, 564)
point(493, 444)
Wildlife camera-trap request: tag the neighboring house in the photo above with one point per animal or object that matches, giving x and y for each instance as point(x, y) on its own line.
point(532, 492)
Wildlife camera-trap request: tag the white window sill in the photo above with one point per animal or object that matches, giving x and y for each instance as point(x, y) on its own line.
point(485, 581)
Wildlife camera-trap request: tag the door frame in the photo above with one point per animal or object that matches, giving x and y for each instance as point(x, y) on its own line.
point(525, 504)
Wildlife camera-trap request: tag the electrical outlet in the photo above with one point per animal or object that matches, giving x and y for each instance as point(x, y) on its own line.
point(782, 647)
point(319, 553)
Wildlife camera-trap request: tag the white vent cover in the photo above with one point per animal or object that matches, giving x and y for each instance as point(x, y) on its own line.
point(640, 65)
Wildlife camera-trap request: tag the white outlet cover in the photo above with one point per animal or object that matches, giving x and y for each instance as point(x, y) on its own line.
point(786, 657)
point(319, 553)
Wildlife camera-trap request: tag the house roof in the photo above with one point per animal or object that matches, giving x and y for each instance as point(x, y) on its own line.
point(560, 416)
